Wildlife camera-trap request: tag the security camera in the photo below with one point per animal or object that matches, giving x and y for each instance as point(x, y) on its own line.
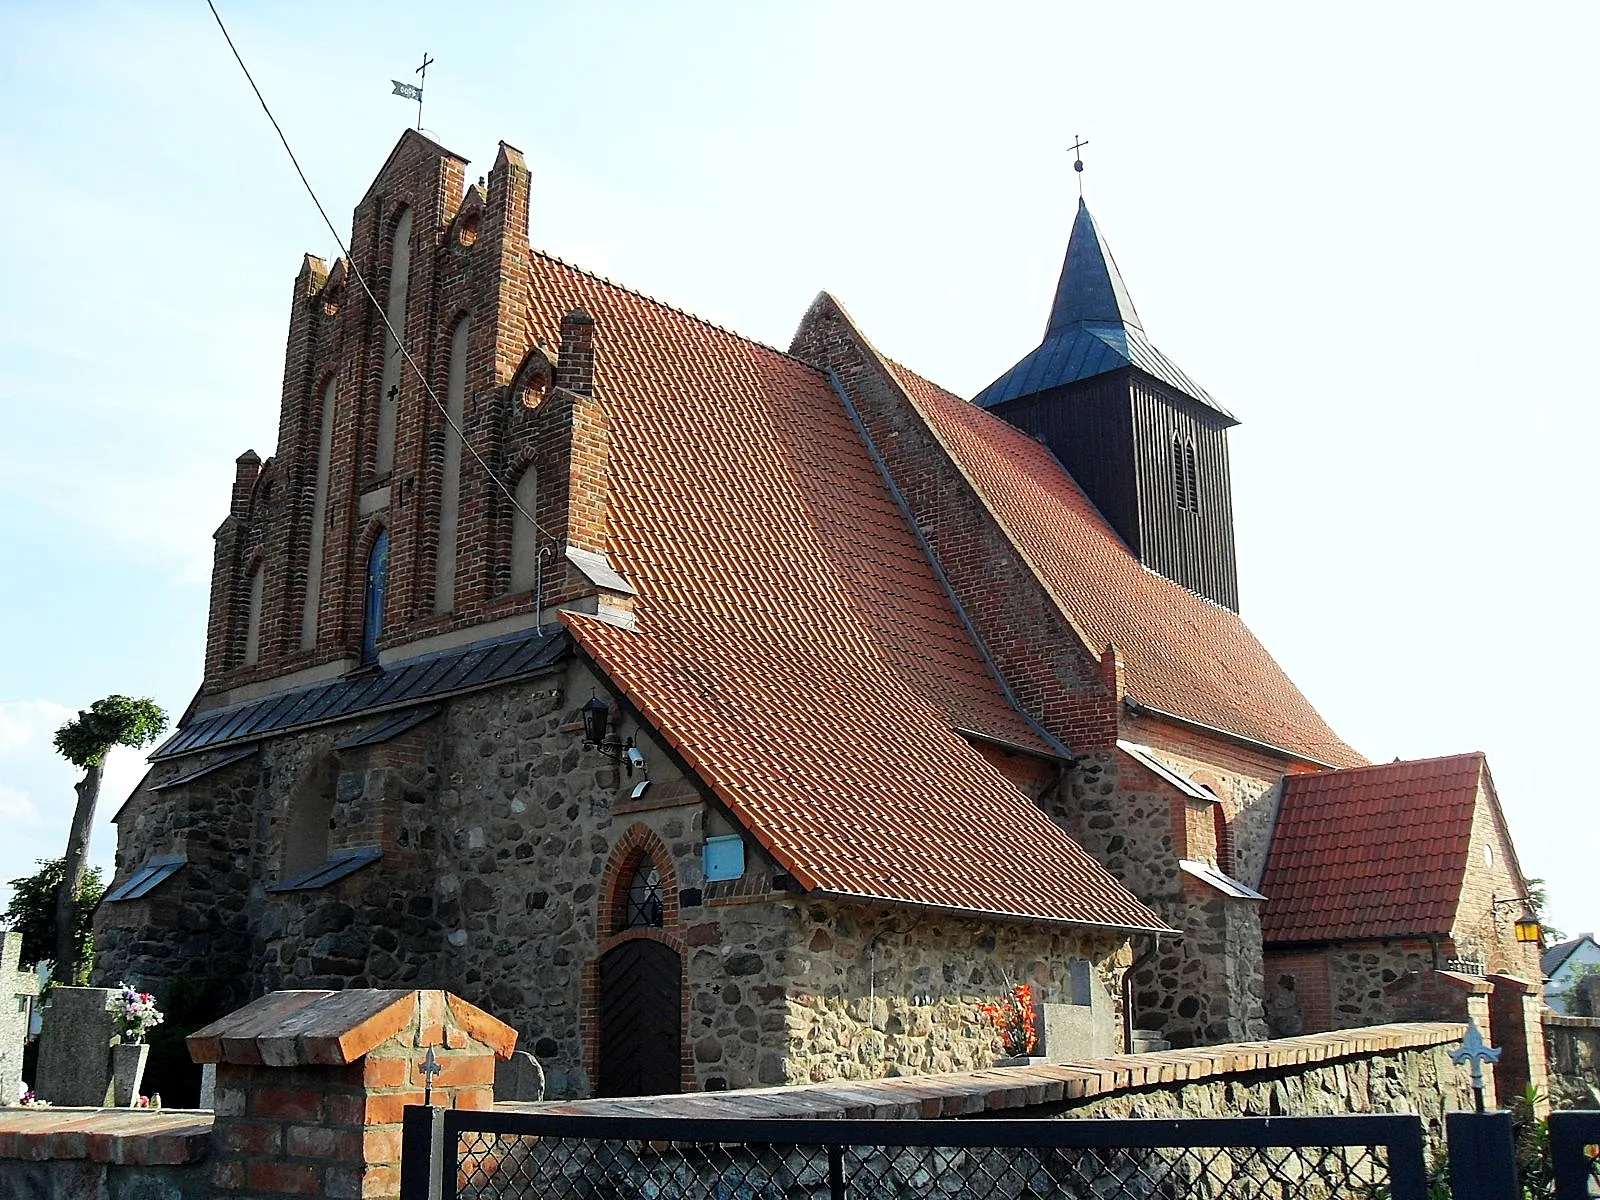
point(635, 759)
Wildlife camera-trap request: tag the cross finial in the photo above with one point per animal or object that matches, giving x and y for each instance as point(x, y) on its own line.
point(431, 1067)
point(1077, 161)
point(1476, 1051)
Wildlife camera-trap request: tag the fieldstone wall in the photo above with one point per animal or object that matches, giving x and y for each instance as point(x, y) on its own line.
point(1572, 1045)
point(500, 837)
point(1202, 989)
point(876, 994)
point(1249, 783)
point(1368, 981)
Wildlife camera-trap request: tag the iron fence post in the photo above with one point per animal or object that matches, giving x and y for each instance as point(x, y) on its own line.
point(836, 1172)
point(422, 1153)
point(1483, 1163)
point(1408, 1167)
point(1570, 1133)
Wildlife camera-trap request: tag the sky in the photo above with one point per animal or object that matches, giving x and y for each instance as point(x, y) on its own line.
point(1367, 229)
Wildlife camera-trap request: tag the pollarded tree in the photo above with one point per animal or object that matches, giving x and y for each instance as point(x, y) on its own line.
point(114, 721)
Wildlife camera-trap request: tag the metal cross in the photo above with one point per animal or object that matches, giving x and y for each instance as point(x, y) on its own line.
point(1077, 161)
point(422, 82)
point(431, 1067)
point(1476, 1051)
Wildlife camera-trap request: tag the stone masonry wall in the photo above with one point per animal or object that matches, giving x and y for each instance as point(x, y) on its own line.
point(1206, 987)
point(886, 994)
point(500, 836)
point(1248, 782)
point(1572, 1046)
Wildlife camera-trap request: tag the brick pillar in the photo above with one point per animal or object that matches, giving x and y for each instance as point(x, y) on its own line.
point(312, 1085)
point(1517, 1027)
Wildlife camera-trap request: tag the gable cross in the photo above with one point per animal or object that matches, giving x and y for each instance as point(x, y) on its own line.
point(431, 1067)
point(1476, 1051)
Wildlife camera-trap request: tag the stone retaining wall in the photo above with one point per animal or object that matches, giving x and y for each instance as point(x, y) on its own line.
point(57, 1154)
point(1572, 1045)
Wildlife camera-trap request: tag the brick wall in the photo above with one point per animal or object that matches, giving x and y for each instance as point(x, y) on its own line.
point(1298, 997)
point(469, 260)
point(312, 1086)
point(1515, 1025)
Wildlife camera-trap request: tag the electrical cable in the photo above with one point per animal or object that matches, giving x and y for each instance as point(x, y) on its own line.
point(372, 299)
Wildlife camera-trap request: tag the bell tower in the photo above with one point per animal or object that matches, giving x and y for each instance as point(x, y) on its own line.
point(1145, 442)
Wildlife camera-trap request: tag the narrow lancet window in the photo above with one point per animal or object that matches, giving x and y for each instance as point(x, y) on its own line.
point(252, 621)
point(644, 908)
point(444, 574)
point(319, 517)
point(377, 577)
point(399, 277)
point(525, 534)
point(1180, 488)
point(1193, 477)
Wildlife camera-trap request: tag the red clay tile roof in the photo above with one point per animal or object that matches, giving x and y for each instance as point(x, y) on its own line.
point(792, 643)
point(1181, 653)
point(1371, 852)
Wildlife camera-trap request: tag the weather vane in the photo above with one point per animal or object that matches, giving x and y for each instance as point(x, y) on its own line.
point(1077, 162)
point(413, 91)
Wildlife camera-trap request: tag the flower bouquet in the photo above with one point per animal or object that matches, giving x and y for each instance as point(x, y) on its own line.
point(136, 1014)
point(1013, 1020)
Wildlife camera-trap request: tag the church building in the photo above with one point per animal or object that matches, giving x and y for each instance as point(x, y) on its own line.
point(716, 715)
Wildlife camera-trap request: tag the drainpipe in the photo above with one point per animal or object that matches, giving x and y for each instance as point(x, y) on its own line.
point(1127, 991)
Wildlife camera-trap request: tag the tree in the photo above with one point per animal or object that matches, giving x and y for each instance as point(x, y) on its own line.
point(1539, 902)
point(32, 913)
point(114, 721)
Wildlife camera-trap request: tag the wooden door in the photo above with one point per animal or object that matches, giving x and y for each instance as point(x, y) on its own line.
point(641, 1033)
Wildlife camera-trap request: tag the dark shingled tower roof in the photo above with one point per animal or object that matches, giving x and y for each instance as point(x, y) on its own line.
point(1093, 328)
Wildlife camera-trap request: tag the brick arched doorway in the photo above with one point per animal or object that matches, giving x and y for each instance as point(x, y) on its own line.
point(640, 1019)
point(636, 981)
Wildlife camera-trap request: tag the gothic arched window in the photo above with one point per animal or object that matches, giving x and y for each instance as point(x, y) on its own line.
point(377, 575)
point(1180, 486)
point(642, 905)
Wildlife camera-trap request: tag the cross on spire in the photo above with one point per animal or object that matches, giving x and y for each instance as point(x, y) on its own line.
point(1077, 161)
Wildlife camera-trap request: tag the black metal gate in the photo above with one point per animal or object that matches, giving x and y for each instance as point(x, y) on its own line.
point(640, 1020)
point(501, 1155)
point(1575, 1154)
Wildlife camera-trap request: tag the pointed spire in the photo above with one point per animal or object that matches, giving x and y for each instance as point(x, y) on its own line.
point(1091, 291)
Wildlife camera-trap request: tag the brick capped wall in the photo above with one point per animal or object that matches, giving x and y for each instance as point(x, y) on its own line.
point(312, 1086)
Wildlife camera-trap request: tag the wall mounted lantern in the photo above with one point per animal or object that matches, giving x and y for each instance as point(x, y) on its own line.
point(596, 715)
point(1526, 926)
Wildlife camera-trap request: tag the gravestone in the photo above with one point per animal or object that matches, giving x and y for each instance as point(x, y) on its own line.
point(1085, 1026)
point(17, 990)
point(519, 1078)
point(75, 1047)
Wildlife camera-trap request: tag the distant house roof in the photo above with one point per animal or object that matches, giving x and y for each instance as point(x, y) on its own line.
point(1371, 852)
point(1552, 959)
point(1093, 329)
point(791, 642)
point(1181, 654)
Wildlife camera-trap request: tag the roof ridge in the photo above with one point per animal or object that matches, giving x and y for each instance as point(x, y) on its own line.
point(672, 308)
point(1399, 762)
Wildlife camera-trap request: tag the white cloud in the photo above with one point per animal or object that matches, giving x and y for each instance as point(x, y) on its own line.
point(24, 723)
